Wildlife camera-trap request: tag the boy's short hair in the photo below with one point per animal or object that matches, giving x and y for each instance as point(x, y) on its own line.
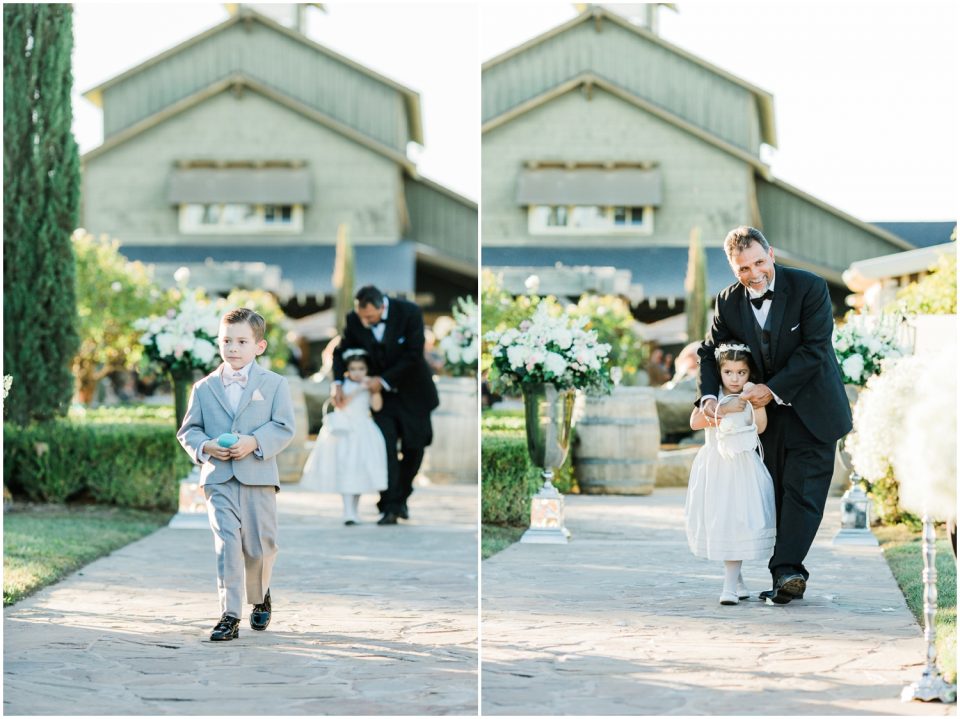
point(242, 314)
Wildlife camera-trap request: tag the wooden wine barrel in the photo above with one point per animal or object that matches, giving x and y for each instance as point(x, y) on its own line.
point(617, 441)
point(452, 456)
point(291, 460)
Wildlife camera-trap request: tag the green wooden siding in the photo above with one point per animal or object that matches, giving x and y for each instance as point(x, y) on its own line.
point(794, 224)
point(634, 63)
point(702, 185)
point(305, 74)
point(441, 221)
point(125, 189)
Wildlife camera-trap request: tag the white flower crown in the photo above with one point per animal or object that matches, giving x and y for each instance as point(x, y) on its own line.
point(354, 353)
point(734, 347)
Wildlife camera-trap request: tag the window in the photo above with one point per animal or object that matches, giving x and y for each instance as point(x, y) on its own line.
point(589, 219)
point(232, 218)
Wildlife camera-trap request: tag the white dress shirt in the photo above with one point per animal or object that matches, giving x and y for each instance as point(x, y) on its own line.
point(234, 392)
point(761, 316)
point(378, 330)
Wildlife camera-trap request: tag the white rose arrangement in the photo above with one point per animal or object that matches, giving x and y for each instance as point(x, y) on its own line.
point(183, 339)
point(862, 344)
point(460, 345)
point(904, 433)
point(550, 349)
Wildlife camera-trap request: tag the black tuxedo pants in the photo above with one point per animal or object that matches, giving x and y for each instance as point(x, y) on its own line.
point(801, 467)
point(400, 472)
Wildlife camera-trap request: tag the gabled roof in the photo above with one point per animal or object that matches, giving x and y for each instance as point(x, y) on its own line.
point(598, 15)
point(246, 15)
point(866, 226)
point(588, 80)
point(920, 234)
point(240, 81)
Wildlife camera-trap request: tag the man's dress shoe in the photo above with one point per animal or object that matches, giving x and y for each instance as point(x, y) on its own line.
point(260, 616)
point(227, 628)
point(388, 518)
point(403, 513)
point(785, 589)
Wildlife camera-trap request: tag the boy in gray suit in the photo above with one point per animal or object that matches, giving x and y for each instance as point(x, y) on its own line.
point(240, 417)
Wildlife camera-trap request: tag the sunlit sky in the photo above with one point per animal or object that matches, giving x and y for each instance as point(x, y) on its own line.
point(865, 93)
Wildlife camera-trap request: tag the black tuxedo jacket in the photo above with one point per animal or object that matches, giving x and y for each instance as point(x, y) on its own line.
point(805, 369)
point(399, 360)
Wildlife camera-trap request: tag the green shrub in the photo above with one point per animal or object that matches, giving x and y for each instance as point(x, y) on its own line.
point(129, 465)
point(508, 478)
point(161, 414)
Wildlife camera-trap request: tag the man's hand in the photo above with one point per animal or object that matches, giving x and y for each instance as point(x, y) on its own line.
point(212, 448)
point(244, 446)
point(758, 395)
point(374, 384)
point(336, 394)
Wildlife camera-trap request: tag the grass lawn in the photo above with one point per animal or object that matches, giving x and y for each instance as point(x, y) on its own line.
point(44, 543)
point(495, 538)
point(902, 548)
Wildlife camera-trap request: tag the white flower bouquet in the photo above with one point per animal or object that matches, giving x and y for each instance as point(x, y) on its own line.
point(460, 344)
point(183, 339)
point(553, 349)
point(861, 346)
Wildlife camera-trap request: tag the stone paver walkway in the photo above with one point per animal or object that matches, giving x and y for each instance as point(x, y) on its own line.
point(367, 620)
point(624, 620)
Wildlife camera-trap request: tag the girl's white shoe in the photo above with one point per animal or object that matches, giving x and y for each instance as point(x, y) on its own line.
point(729, 598)
point(742, 591)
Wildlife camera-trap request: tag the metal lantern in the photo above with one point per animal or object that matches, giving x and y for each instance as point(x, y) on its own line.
point(854, 508)
point(549, 415)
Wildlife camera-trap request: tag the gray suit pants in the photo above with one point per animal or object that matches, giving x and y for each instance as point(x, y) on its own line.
point(244, 523)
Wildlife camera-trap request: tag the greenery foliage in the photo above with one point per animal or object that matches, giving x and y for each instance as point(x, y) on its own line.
point(41, 189)
point(934, 294)
point(129, 465)
point(41, 545)
point(610, 317)
point(112, 293)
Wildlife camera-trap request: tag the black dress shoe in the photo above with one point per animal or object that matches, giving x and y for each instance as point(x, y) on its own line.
point(403, 513)
point(388, 518)
point(350, 522)
point(260, 616)
point(787, 588)
point(227, 628)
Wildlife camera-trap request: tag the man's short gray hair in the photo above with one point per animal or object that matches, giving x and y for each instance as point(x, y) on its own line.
point(740, 238)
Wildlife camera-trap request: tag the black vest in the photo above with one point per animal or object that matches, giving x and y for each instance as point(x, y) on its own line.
point(766, 349)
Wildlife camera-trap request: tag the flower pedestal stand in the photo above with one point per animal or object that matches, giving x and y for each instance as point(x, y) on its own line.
point(191, 506)
point(931, 686)
point(549, 415)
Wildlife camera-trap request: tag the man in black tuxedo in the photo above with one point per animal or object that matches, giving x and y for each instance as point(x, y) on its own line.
point(391, 333)
point(786, 318)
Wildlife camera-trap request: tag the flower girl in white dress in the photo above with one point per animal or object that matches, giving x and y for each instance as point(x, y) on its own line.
point(350, 455)
point(730, 510)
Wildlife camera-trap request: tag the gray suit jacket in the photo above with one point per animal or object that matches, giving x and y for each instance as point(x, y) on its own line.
point(265, 411)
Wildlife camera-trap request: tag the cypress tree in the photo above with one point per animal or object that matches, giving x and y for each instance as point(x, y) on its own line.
point(697, 303)
point(344, 277)
point(41, 192)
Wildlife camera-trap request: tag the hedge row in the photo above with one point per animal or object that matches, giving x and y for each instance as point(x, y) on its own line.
point(129, 465)
point(508, 479)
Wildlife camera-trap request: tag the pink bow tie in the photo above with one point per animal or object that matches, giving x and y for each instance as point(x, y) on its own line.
point(238, 377)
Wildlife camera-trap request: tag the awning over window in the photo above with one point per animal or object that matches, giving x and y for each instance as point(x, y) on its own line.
point(248, 185)
point(630, 187)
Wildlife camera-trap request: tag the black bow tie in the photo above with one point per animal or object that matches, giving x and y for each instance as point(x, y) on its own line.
point(758, 301)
